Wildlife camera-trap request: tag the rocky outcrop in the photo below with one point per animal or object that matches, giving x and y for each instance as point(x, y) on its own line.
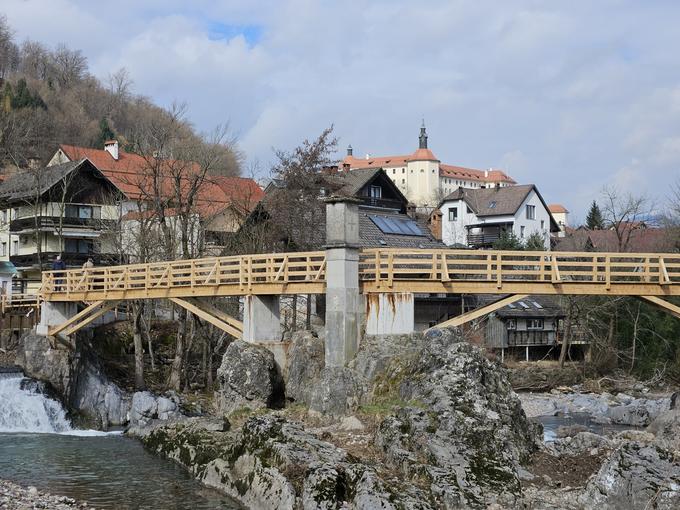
point(271, 463)
point(79, 381)
point(248, 377)
point(13, 496)
point(306, 362)
point(635, 476)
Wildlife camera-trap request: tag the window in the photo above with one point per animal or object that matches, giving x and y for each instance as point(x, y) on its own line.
point(376, 192)
point(453, 213)
point(521, 231)
point(531, 212)
point(83, 246)
point(422, 171)
point(469, 211)
point(403, 181)
point(4, 215)
point(15, 247)
point(542, 224)
point(16, 213)
point(512, 323)
point(3, 249)
point(492, 204)
point(534, 323)
point(403, 170)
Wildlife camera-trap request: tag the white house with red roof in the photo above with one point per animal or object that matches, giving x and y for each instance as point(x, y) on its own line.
point(561, 215)
point(423, 178)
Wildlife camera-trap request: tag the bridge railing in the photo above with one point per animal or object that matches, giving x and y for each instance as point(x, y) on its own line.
point(10, 301)
point(384, 266)
point(243, 271)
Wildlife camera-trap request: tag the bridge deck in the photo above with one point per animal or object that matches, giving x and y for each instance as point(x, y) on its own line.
point(380, 270)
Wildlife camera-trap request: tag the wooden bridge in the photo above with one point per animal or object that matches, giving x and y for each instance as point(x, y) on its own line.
point(515, 274)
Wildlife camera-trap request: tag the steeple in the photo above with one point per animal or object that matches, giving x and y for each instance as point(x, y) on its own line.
point(423, 137)
point(349, 150)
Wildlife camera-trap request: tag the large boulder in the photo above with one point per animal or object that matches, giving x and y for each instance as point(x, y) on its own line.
point(335, 392)
point(306, 359)
point(248, 377)
point(635, 476)
point(666, 428)
point(461, 425)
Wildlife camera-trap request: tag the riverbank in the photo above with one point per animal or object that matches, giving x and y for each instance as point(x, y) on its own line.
point(15, 497)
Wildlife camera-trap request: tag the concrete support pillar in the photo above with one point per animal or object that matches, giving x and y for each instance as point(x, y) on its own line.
point(53, 313)
point(262, 326)
point(343, 304)
point(390, 313)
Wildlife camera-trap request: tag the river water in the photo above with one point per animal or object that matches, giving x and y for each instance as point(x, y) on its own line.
point(38, 447)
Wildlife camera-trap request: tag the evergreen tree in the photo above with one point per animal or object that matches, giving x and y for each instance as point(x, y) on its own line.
point(535, 242)
point(594, 220)
point(105, 133)
point(508, 241)
point(23, 98)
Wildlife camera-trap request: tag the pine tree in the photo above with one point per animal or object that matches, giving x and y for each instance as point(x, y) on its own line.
point(535, 242)
point(105, 133)
point(594, 220)
point(508, 241)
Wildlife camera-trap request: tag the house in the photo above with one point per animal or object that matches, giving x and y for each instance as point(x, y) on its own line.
point(423, 178)
point(561, 216)
point(222, 202)
point(529, 328)
point(69, 209)
point(476, 218)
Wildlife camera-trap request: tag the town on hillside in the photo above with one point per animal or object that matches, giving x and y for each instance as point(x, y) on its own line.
point(449, 287)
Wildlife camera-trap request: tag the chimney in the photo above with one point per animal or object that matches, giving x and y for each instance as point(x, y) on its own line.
point(411, 210)
point(349, 150)
point(111, 146)
point(436, 224)
point(486, 173)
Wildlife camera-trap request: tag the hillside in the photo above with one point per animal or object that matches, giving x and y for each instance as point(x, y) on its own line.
point(48, 97)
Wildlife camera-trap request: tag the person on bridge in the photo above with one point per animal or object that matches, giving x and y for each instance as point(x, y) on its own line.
point(58, 265)
point(87, 266)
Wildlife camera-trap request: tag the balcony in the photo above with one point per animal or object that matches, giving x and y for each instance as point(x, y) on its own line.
point(72, 259)
point(487, 236)
point(384, 203)
point(531, 337)
point(51, 224)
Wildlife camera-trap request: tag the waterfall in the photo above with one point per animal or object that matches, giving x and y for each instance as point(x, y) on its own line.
point(23, 408)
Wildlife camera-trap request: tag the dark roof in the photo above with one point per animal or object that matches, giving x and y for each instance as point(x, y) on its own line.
point(505, 201)
point(532, 306)
point(22, 185)
point(370, 236)
point(352, 181)
point(7, 267)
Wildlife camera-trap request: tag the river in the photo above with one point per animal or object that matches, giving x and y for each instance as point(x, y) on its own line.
point(39, 447)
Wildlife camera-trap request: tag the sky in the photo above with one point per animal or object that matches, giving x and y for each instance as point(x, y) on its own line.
point(571, 96)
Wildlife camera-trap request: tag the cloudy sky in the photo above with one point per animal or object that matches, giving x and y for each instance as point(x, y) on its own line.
point(570, 95)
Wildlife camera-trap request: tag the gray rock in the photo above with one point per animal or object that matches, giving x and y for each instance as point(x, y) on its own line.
point(638, 412)
point(666, 428)
point(635, 476)
point(248, 377)
point(578, 444)
point(306, 361)
point(144, 408)
point(167, 408)
point(336, 392)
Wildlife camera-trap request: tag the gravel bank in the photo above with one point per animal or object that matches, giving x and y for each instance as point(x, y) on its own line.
point(14, 497)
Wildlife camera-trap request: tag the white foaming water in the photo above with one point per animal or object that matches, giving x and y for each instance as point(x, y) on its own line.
point(22, 410)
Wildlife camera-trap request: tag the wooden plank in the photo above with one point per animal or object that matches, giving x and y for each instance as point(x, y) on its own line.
point(479, 312)
point(223, 316)
point(94, 316)
point(674, 310)
point(208, 317)
point(75, 318)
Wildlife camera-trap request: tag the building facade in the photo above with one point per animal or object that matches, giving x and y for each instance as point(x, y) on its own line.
point(423, 178)
point(476, 218)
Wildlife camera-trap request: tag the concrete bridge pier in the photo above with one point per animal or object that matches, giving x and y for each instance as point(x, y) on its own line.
point(343, 302)
point(55, 313)
point(390, 313)
point(262, 326)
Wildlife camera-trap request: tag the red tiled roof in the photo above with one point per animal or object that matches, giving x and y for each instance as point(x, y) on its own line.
point(456, 172)
point(130, 174)
point(557, 208)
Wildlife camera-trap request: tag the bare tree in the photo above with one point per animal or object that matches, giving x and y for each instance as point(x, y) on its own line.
point(624, 213)
point(68, 66)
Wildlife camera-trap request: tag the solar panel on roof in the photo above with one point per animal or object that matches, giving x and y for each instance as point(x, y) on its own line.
point(399, 226)
point(523, 304)
point(537, 305)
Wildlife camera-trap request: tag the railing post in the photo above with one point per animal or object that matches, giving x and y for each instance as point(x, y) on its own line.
point(607, 272)
point(499, 270)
